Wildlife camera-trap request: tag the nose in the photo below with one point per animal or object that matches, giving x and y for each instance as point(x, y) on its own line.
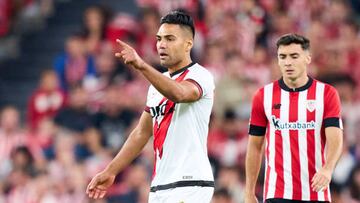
point(287, 62)
point(161, 44)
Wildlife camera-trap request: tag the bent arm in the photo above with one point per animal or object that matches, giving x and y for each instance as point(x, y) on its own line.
point(184, 91)
point(179, 92)
point(133, 145)
point(253, 162)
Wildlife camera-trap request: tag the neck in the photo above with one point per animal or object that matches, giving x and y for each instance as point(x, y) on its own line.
point(179, 65)
point(296, 83)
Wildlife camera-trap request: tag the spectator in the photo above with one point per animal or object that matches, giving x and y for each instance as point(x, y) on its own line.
point(109, 72)
point(150, 20)
point(135, 186)
point(67, 176)
point(46, 100)
point(114, 119)
point(228, 143)
point(122, 26)
point(75, 64)
point(95, 22)
point(230, 179)
point(11, 136)
point(257, 69)
point(74, 116)
point(42, 139)
point(99, 155)
point(214, 59)
point(22, 159)
point(21, 189)
point(232, 81)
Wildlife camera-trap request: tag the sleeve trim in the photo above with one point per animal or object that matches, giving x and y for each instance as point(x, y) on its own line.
point(147, 109)
point(332, 122)
point(197, 85)
point(257, 130)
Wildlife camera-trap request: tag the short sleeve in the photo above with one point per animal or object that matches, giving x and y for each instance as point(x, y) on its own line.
point(332, 108)
point(258, 119)
point(203, 79)
point(149, 99)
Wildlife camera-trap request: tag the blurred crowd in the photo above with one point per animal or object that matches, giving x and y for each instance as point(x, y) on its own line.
point(83, 108)
point(18, 17)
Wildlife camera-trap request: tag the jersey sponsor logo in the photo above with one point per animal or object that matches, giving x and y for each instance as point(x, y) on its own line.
point(157, 111)
point(292, 125)
point(160, 110)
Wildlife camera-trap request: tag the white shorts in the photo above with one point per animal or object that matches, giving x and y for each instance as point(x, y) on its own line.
point(192, 194)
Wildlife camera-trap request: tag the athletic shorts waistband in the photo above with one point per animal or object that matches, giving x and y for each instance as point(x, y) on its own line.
point(199, 183)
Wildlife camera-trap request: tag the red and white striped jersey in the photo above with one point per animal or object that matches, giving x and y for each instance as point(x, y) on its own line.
point(181, 130)
point(293, 122)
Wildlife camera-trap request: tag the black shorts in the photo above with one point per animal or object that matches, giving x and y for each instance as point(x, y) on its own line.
point(291, 201)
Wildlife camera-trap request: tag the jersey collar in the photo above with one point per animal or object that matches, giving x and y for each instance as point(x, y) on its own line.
point(298, 89)
point(182, 69)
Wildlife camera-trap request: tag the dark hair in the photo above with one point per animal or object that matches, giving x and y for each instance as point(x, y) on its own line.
point(294, 39)
point(180, 18)
point(106, 15)
point(25, 151)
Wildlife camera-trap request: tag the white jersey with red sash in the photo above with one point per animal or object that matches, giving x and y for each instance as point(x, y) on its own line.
point(180, 131)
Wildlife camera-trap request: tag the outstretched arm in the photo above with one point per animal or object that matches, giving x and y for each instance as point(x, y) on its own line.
point(131, 149)
point(184, 91)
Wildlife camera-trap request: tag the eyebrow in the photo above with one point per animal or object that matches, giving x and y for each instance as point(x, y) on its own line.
point(292, 54)
point(165, 36)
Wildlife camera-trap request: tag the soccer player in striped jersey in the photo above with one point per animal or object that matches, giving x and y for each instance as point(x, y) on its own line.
point(177, 114)
point(298, 119)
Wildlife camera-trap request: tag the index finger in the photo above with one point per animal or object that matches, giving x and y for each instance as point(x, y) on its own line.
point(123, 44)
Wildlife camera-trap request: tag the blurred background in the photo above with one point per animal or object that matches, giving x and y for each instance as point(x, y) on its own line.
point(67, 105)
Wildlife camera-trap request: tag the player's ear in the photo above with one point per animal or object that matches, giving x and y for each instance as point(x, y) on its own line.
point(189, 44)
point(308, 57)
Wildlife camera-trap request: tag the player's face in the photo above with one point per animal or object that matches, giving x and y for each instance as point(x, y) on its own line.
point(173, 44)
point(293, 61)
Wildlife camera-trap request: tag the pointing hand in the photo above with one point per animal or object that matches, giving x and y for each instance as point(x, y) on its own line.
point(129, 55)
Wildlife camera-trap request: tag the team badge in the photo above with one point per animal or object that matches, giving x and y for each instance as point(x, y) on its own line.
point(311, 105)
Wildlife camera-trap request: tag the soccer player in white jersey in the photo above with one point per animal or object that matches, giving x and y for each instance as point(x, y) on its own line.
point(298, 119)
point(177, 114)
